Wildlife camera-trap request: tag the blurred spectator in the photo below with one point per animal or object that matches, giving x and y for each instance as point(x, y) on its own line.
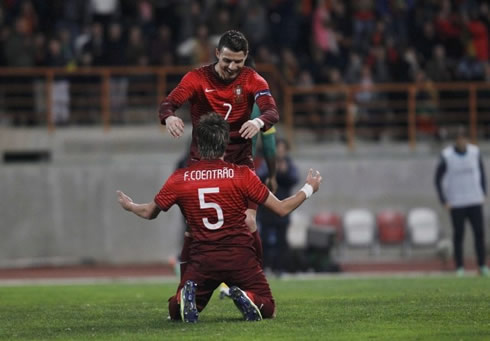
point(478, 39)
point(162, 47)
point(449, 30)
point(19, 46)
point(334, 102)
point(114, 46)
point(283, 24)
point(191, 16)
point(324, 37)
point(265, 55)
point(289, 67)
point(411, 63)
point(425, 43)
point(73, 15)
point(40, 50)
point(470, 68)
point(363, 24)
point(220, 21)
point(438, 68)
point(145, 18)
point(67, 48)
point(95, 45)
point(354, 67)
point(377, 61)
point(198, 50)
point(273, 228)
point(136, 49)
point(104, 11)
point(255, 25)
point(426, 106)
point(311, 106)
point(61, 85)
point(115, 54)
point(29, 15)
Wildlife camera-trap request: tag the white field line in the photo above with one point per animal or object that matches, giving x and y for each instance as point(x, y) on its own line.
point(174, 279)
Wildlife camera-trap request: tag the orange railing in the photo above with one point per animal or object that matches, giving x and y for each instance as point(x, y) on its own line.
point(406, 112)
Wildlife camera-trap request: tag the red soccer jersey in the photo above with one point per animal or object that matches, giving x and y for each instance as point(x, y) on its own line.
point(207, 92)
point(213, 197)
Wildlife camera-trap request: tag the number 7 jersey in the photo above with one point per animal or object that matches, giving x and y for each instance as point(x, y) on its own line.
point(233, 100)
point(213, 197)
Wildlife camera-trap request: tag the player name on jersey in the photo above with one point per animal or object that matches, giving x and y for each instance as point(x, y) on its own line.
point(209, 174)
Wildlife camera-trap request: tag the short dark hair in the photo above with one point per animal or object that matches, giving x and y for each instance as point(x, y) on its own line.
point(213, 133)
point(234, 40)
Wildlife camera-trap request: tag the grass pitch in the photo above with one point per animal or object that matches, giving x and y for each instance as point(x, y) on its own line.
point(388, 308)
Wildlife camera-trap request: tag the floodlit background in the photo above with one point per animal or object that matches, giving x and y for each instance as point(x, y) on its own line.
point(369, 92)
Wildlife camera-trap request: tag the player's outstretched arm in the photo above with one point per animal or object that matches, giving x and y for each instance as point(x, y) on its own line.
point(149, 210)
point(286, 206)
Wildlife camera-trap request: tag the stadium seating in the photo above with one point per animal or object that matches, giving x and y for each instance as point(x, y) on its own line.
point(360, 229)
point(329, 221)
point(423, 228)
point(324, 235)
point(391, 228)
point(297, 231)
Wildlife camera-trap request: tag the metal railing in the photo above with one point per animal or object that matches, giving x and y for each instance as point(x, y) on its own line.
point(109, 96)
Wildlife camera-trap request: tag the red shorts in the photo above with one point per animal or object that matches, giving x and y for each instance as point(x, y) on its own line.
point(251, 279)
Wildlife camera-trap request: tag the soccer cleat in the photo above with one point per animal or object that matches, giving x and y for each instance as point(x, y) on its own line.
point(484, 271)
point(188, 308)
point(460, 272)
point(246, 306)
point(224, 291)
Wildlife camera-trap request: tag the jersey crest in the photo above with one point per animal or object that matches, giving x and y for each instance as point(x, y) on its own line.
point(238, 92)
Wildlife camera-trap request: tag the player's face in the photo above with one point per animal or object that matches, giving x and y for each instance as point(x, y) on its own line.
point(229, 63)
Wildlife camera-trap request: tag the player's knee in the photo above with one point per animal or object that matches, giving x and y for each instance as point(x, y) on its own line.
point(173, 309)
point(268, 310)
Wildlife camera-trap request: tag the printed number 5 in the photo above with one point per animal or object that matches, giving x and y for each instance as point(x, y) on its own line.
point(203, 204)
point(228, 105)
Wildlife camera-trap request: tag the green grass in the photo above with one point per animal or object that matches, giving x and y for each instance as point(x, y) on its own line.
point(426, 308)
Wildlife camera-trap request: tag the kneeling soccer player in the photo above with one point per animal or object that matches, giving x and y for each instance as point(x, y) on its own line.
point(213, 196)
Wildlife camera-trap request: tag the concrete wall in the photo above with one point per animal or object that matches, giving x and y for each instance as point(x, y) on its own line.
point(66, 211)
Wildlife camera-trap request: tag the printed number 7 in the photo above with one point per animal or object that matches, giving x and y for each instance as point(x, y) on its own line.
point(228, 105)
point(203, 204)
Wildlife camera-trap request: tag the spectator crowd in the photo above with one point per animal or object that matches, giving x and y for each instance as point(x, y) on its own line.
point(311, 41)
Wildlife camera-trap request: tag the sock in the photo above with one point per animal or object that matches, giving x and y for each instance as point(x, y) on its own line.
point(258, 246)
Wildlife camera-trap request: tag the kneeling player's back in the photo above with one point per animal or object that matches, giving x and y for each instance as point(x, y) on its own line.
point(213, 195)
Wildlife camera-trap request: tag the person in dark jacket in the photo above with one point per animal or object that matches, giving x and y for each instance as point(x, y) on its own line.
point(273, 228)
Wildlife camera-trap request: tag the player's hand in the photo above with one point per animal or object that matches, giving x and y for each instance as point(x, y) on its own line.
point(125, 201)
point(314, 179)
point(175, 126)
point(271, 183)
point(249, 129)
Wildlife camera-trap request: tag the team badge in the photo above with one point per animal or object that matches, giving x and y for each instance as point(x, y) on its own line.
point(238, 93)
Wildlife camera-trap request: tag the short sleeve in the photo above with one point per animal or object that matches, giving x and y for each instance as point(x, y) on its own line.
point(259, 86)
point(167, 196)
point(256, 191)
point(185, 89)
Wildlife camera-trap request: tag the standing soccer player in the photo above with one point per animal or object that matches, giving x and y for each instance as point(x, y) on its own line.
point(229, 88)
point(213, 195)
